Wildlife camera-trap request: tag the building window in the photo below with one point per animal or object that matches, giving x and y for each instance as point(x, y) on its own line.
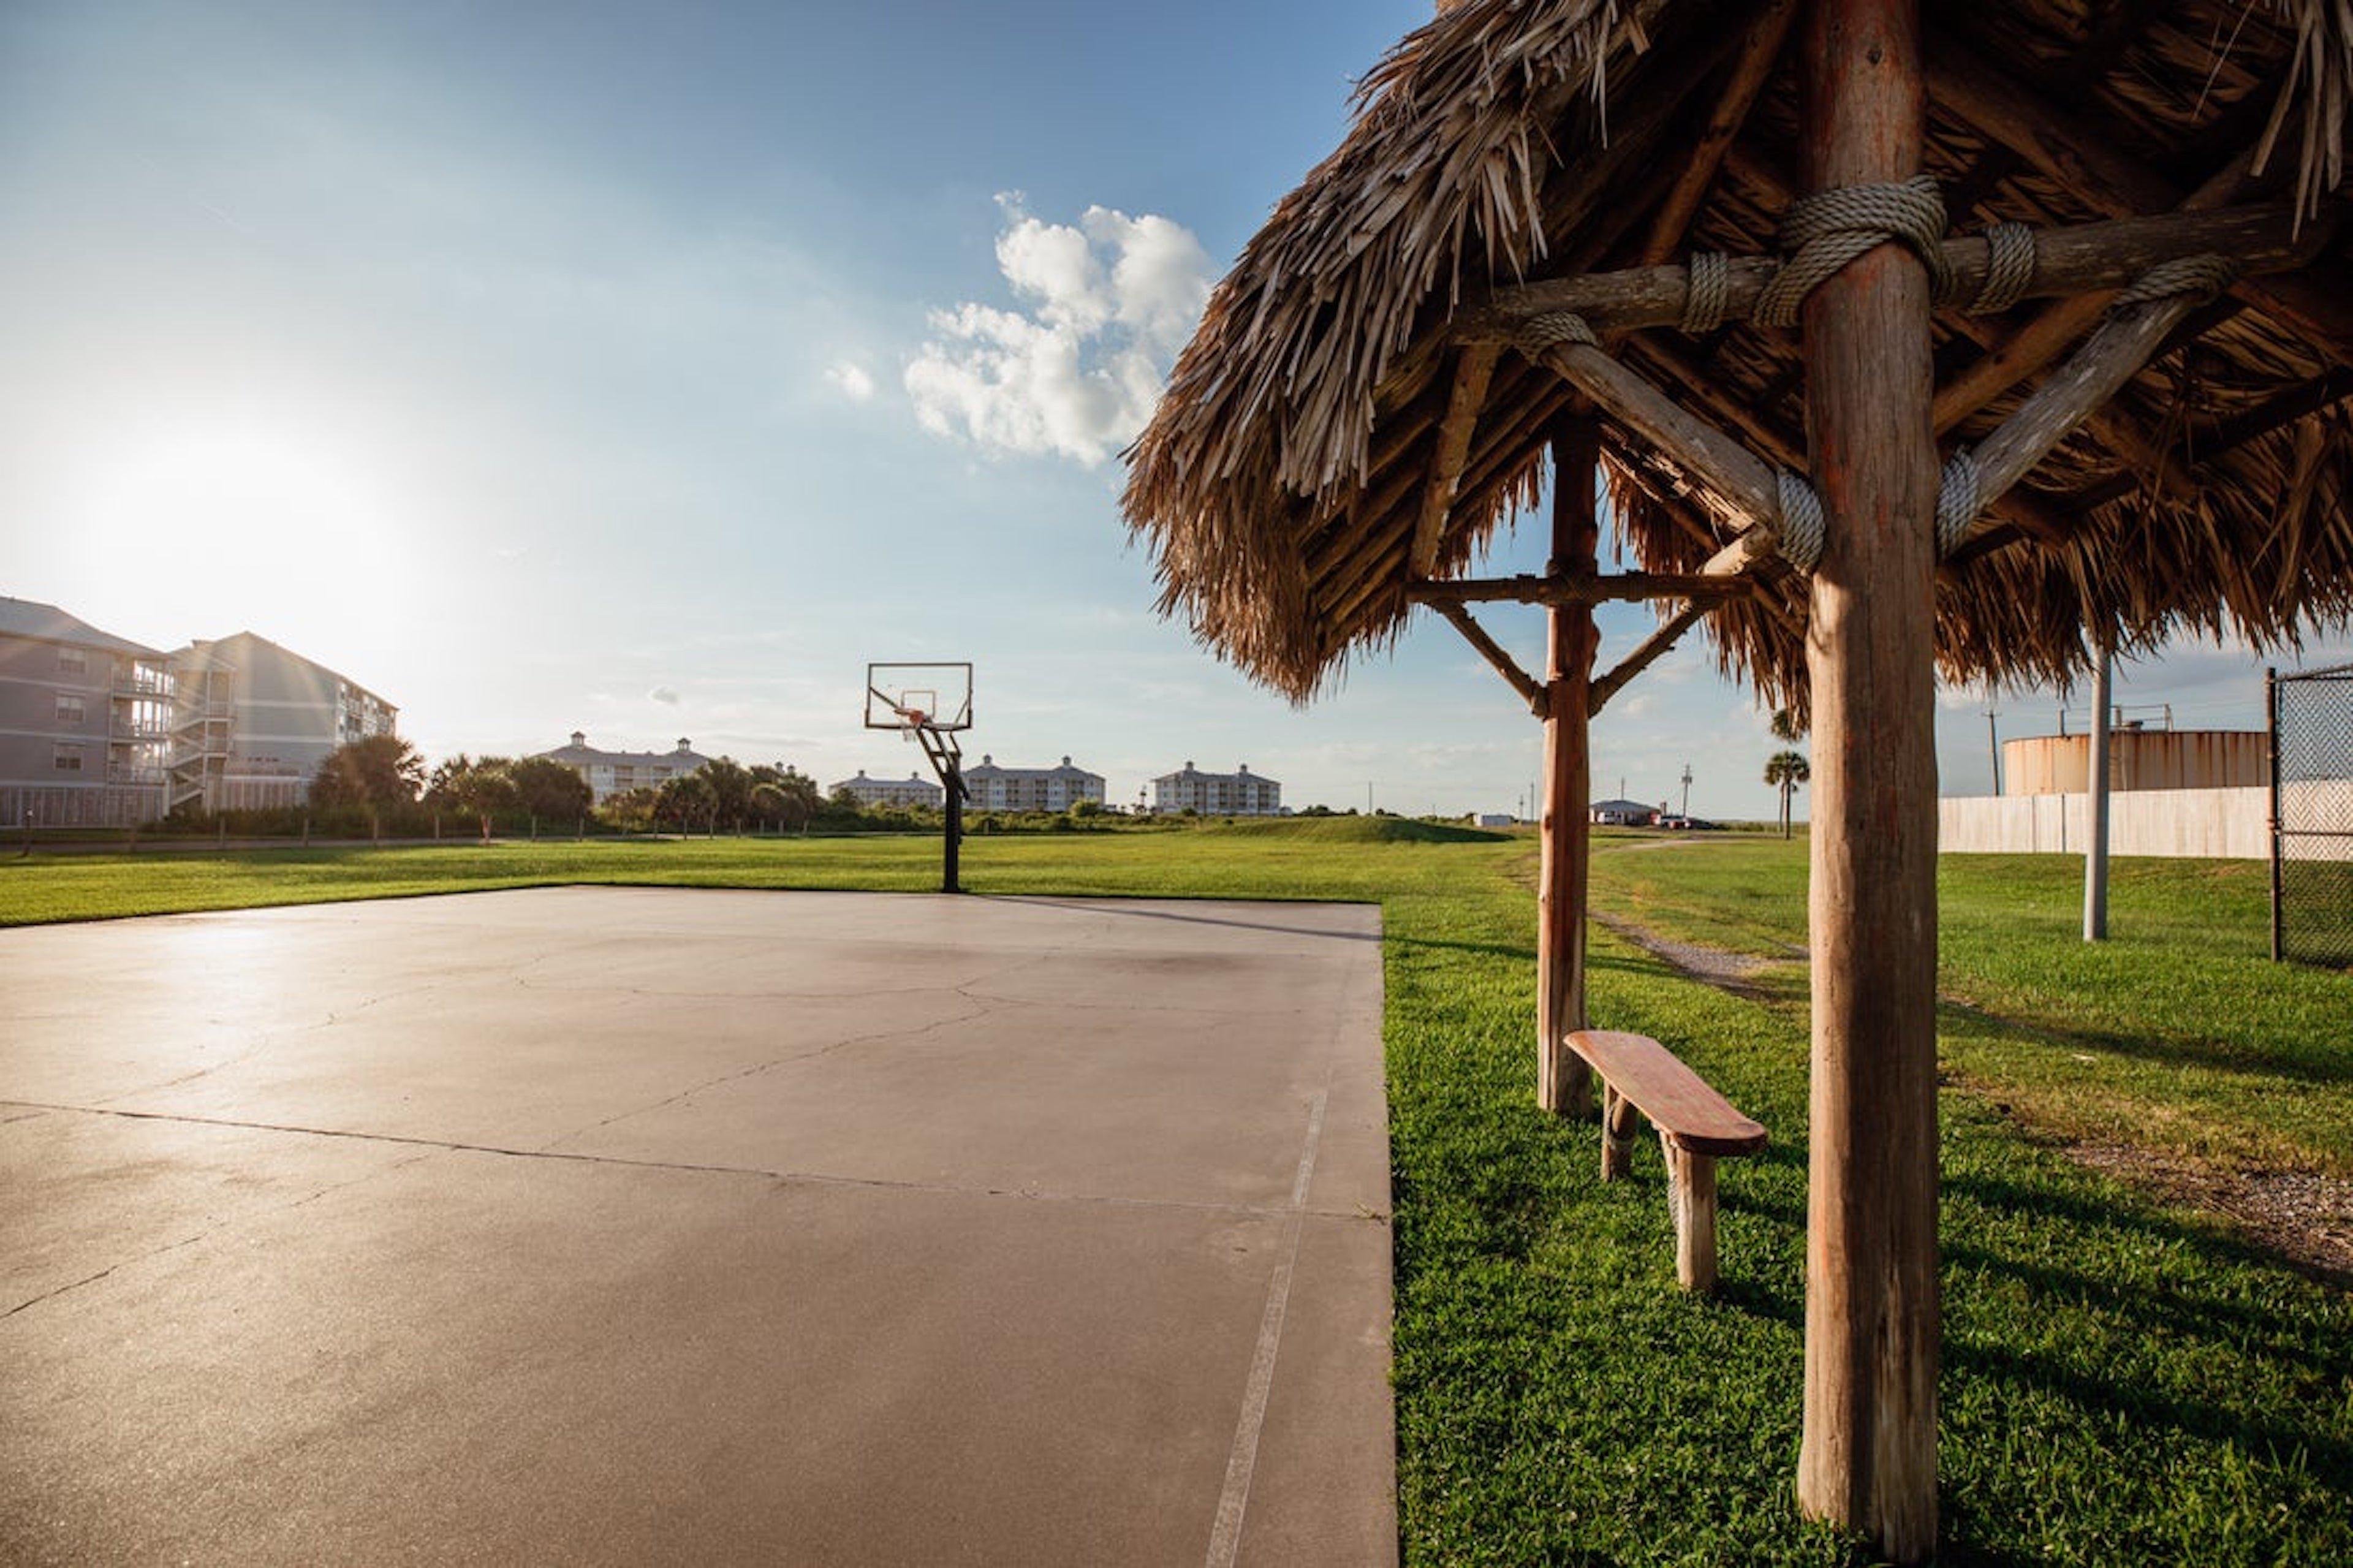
point(73, 662)
point(71, 711)
point(69, 758)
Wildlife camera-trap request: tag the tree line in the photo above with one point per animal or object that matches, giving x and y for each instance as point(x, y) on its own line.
point(382, 782)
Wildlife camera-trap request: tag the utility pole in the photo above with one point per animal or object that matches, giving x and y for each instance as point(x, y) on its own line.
point(2095, 854)
point(1993, 746)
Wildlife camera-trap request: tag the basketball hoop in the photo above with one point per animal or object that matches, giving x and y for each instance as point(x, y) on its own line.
point(929, 703)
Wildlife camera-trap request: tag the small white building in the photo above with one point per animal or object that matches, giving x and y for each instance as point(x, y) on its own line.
point(913, 790)
point(1623, 813)
point(992, 788)
point(1238, 794)
point(618, 773)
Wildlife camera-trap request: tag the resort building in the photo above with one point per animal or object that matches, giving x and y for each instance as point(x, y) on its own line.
point(991, 788)
point(909, 791)
point(1238, 794)
point(251, 721)
point(85, 722)
point(609, 774)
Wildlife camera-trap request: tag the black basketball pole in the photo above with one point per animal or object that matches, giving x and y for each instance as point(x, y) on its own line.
point(952, 776)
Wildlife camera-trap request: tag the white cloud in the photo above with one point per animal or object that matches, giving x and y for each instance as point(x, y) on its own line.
point(664, 694)
point(1110, 301)
point(852, 379)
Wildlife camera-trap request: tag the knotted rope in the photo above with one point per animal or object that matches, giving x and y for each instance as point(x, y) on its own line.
point(1831, 229)
point(1956, 501)
point(1708, 295)
point(1799, 538)
point(2201, 276)
point(1553, 328)
point(1825, 231)
point(2010, 268)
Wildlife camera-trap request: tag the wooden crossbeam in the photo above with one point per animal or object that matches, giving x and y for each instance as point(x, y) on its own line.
point(1738, 477)
point(1760, 48)
point(1548, 589)
point(2035, 345)
point(1475, 367)
point(1648, 653)
point(1530, 689)
point(2097, 168)
point(2230, 435)
point(2263, 238)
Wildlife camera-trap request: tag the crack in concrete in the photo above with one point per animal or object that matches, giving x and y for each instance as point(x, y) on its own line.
point(214, 1229)
point(985, 1006)
point(781, 1177)
point(758, 1067)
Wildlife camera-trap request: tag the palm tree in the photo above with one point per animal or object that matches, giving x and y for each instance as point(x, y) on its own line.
point(1788, 770)
point(1786, 726)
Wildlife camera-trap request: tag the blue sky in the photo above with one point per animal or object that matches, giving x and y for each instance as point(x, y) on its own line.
point(647, 370)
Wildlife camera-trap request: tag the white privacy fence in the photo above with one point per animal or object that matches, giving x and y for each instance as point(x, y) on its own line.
point(2213, 824)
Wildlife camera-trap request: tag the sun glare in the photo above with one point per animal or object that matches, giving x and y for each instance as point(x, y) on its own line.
point(252, 521)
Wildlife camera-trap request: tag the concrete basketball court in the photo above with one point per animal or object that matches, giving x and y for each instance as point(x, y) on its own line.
point(635, 1224)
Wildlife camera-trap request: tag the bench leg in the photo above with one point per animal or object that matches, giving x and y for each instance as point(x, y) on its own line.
point(1690, 1190)
point(1616, 1133)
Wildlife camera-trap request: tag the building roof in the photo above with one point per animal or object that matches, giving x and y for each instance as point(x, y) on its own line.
point(196, 645)
point(913, 778)
point(1240, 772)
point(989, 769)
point(31, 619)
point(1360, 409)
point(579, 753)
point(1625, 808)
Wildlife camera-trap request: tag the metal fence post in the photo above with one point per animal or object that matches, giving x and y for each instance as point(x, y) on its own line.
point(2272, 766)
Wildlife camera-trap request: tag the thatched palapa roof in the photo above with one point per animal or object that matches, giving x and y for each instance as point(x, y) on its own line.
point(1285, 478)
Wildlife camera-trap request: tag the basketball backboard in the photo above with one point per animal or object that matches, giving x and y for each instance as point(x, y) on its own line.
point(937, 696)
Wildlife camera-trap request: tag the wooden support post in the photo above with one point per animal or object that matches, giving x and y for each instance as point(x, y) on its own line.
point(1618, 1129)
point(1564, 1082)
point(1868, 1458)
point(1690, 1190)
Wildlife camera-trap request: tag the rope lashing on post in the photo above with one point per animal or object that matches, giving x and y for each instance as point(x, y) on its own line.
point(1825, 231)
point(2204, 276)
point(1798, 534)
point(1956, 501)
point(1553, 328)
point(1707, 294)
point(2010, 268)
point(1799, 538)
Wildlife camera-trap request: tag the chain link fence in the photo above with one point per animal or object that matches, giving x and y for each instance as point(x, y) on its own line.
point(2312, 816)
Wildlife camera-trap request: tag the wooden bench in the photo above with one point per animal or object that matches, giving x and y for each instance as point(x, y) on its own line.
point(1696, 1128)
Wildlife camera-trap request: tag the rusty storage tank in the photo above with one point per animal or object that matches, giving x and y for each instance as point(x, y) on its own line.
point(2138, 759)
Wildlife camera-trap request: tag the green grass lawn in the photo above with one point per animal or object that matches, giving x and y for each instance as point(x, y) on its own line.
point(2123, 1383)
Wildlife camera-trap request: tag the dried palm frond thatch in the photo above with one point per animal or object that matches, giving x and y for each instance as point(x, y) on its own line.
point(1279, 482)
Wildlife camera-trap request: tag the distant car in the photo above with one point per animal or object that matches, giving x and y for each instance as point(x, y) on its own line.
point(1677, 822)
